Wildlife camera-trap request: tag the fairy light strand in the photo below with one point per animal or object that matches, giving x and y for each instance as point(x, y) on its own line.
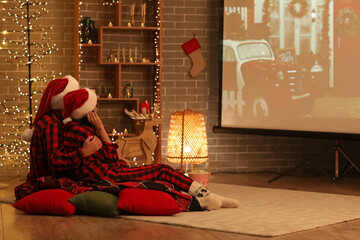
point(17, 110)
point(156, 41)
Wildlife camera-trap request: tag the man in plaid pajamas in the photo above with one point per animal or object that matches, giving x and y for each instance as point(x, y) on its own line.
point(47, 157)
point(104, 165)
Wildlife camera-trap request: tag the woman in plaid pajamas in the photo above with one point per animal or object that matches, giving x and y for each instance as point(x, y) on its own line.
point(47, 157)
point(82, 121)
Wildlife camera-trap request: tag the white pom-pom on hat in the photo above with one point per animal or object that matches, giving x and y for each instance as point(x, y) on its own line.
point(27, 134)
point(66, 120)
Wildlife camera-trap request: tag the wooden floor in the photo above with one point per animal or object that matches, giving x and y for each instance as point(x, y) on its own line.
point(17, 225)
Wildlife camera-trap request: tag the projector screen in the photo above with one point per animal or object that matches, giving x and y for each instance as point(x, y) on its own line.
point(290, 66)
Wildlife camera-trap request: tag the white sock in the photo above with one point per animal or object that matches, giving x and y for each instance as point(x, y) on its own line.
point(209, 200)
point(206, 199)
point(228, 202)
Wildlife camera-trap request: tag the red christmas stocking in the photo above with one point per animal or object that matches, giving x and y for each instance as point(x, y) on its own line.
point(192, 49)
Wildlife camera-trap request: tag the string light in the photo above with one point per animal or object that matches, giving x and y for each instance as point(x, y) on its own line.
point(17, 113)
point(110, 2)
point(156, 41)
point(157, 93)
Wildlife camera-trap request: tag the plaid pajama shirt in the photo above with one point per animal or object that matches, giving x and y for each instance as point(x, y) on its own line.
point(104, 165)
point(47, 155)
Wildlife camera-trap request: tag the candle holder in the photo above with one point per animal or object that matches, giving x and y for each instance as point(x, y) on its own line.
point(145, 60)
point(143, 14)
point(132, 15)
point(124, 56)
point(110, 57)
point(128, 91)
point(135, 56)
point(130, 56)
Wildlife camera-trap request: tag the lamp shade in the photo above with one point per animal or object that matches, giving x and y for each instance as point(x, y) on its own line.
point(187, 140)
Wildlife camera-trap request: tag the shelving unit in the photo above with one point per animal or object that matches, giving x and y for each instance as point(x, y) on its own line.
point(122, 37)
point(134, 101)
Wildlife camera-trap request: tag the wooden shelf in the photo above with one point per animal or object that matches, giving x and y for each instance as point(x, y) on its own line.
point(138, 35)
point(129, 28)
point(119, 99)
point(140, 63)
point(129, 63)
point(122, 135)
point(89, 45)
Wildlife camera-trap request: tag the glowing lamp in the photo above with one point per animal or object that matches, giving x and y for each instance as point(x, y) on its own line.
point(187, 140)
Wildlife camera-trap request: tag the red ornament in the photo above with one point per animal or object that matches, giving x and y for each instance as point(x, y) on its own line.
point(146, 106)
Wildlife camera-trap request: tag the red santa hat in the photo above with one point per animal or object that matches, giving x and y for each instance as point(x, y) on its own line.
point(57, 102)
point(52, 99)
point(78, 103)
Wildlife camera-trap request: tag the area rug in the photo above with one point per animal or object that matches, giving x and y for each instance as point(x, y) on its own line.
point(267, 212)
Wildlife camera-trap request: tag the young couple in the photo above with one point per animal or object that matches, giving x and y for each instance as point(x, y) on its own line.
point(68, 140)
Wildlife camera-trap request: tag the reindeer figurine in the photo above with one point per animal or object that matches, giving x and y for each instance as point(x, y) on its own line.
point(145, 143)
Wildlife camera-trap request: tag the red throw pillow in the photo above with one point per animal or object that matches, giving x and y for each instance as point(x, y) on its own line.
point(147, 202)
point(48, 201)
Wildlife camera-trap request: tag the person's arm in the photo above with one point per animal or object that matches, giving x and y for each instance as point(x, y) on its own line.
point(95, 120)
point(58, 157)
point(109, 153)
point(125, 162)
point(91, 145)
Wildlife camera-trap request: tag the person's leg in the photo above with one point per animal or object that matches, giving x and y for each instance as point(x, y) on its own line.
point(206, 199)
point(162, 172)
point(155, 172)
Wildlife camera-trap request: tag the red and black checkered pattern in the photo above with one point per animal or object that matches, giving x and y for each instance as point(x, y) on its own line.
point(47, 155)
point(50, 159)
point(104, 165)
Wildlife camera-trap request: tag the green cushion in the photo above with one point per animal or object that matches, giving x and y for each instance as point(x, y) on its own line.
point(96, 203)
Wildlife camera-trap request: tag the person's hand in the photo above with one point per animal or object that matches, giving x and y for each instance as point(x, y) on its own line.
point(95, 120)
point(91, 145)
point(125, 160)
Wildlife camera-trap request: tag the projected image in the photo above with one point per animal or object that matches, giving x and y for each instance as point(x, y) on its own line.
point(291, 65)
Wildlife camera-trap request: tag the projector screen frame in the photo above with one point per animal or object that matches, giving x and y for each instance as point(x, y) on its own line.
point(261, 130)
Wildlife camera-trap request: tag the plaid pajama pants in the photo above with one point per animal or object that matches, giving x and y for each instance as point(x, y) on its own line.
point(104, 165)
point(155, 172)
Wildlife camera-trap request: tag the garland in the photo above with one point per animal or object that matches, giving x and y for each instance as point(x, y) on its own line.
point(298, 8)
point(347, 23)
